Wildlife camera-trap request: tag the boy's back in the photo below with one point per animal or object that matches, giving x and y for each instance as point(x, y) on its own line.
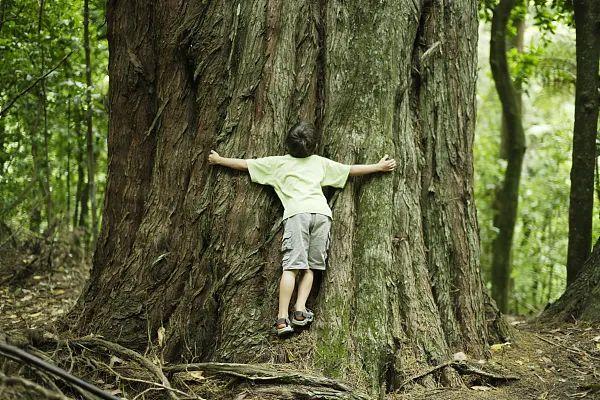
point(298, 181)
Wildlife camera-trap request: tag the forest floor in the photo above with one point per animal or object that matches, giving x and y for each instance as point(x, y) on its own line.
point(552, 362)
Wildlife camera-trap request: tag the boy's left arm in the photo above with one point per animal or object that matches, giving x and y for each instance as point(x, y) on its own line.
point(236, 163)
point(384, 165)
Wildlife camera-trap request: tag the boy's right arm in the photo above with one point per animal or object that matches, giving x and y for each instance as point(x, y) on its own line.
point(236, 163)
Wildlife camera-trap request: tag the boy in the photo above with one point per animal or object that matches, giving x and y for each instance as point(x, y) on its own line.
point(297, 179)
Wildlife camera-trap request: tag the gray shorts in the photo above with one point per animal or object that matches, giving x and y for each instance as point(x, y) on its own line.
point(305, 241)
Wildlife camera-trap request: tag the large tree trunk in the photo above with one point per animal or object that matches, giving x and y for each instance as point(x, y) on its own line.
point(195, 249)
point(587, 101)
point(506, 202)
point(581, 300)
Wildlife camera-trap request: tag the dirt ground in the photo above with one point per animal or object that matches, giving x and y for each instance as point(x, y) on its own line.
point(552, 362)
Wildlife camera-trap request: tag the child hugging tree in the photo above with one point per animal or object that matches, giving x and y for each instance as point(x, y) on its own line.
point(297, 179)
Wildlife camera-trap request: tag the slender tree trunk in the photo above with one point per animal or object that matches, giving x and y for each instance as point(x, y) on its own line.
point(597, 181)
point(507, 198)
point(80, 212)
point(69, 150)
point(35, 219)
point(91, 163)
point(45, 179)
point(515, 41)
point(587, 101)
point(194, 249)
point(3, 153)
point(83, 206)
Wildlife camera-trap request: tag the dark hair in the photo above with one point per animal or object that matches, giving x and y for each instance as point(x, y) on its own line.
point(301, 140)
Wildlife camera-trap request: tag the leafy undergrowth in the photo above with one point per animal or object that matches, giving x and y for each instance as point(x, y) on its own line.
point(40, 280)
point(551, 362)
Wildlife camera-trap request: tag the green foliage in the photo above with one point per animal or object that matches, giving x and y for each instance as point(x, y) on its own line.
point(546, 70)
point(55, 105)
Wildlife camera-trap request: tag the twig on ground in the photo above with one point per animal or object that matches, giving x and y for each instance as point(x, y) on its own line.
point(90, 340)
point(571, 349)
point(26, 383)
point(24, 357)
point(158, 386)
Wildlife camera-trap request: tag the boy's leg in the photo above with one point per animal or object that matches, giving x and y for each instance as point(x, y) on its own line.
point(286, 288)
point(304, 287)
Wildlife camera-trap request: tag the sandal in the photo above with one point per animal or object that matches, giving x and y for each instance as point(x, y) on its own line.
point(302, 318)
point(282, 327)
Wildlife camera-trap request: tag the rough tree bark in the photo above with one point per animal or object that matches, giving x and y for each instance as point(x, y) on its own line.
point(507, 199)
point(587, 101)
point(581, 300)
point(196, 249)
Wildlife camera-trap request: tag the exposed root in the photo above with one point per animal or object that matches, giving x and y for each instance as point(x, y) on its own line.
point(91, 341)
point(461, 367)
point(132, 375)
point(319, 386)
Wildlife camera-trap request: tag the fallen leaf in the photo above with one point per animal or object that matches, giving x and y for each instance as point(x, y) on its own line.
point(481, 388)
point(499, 346)
point(114, 360)
point(161, 336)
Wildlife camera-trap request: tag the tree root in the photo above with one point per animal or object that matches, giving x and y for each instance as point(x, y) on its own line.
point(103, 359)
point(94, 341)
point(321, 387)
point(138, 376)
point(461, 367)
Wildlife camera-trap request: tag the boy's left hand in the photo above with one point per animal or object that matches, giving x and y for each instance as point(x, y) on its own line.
point(386, 164)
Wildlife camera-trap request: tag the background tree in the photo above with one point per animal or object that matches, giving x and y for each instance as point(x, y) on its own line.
point(507, 200)
point(581, 300)
point(587, 101)
point(89, 138)
point(194, 249)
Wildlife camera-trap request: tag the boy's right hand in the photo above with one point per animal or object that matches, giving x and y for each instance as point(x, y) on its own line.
point(213, 157)
point(386, 164)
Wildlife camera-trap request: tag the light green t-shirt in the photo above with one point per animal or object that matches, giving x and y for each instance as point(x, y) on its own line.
point(298, 181)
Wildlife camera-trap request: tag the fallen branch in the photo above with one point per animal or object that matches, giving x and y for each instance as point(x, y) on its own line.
point(12, 101)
